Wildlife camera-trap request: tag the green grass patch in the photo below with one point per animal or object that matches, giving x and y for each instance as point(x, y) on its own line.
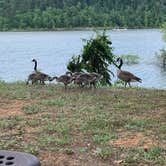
point(52, 140)
point(52, 102)
point(10, 123)
point(138, 124)
point(104, 137)
point(104, 152)
point(33, 109)
point(84, 122)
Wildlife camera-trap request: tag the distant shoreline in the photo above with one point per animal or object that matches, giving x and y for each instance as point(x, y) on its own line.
point(78, 29)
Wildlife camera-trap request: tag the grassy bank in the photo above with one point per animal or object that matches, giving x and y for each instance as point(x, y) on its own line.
point(84, 127)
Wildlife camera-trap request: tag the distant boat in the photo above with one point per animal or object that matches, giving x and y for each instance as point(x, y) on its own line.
point(119, 29)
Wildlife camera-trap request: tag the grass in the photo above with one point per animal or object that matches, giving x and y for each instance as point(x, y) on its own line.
point(32, 109)
point(104, 126)
point(53, 102)
point(130, 59)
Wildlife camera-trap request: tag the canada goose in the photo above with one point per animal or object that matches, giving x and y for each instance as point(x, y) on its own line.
point(126, 76)
point(85, 79)
point(35, 77)
point(38, 76)
point(65, 79)
point(75, 75)
point(32, 78)
point(96, 77)
point(41, 77)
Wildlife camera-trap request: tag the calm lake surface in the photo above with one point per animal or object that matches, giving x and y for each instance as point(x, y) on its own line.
point(54, 49)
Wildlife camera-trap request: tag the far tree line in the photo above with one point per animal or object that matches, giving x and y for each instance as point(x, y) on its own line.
point(52, 14)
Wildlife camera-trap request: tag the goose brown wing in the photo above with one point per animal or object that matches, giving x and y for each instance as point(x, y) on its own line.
point(127, 76)
point(64, 78)
point(126, 73)
point(40, 73)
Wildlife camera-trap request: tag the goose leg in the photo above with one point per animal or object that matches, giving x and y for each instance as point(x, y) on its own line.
point(82, 85)
point(34, 81)
point(125, 84)
point(94, 85)
point(43, 83)
point(129, 84)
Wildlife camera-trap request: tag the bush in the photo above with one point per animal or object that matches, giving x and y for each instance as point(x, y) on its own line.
point(74, 64)
point(162, 56)
point(97, 56)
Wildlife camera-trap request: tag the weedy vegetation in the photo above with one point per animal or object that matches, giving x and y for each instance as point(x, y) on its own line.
point(130, 59)
point(79, 126)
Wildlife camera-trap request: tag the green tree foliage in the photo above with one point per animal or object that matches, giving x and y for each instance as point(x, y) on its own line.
point(162, 56)
point(97, 56)
point(164, 31)
point(75, 64)
point(51, 14)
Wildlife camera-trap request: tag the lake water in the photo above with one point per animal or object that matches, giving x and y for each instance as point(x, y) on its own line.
point(54, 49)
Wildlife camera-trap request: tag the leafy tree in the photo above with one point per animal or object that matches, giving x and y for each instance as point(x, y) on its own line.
point(51, 14)
point(163, 51)
point(97, 56)
point(162, 56)
point(164, 30)
point(74, 64)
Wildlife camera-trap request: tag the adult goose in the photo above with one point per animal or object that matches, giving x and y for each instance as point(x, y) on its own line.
point(42, 77)
point(38, 76)
point(33, 77)
point(126, 76)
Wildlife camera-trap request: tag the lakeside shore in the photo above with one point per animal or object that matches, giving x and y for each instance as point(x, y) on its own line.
point(109, 125)
point(78, 29)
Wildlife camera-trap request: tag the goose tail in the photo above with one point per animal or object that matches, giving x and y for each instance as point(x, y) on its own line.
point(138, 79)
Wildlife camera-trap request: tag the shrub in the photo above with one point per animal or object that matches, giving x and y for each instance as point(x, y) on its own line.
point(130, 59)
point(162, 56)
point(97, 56)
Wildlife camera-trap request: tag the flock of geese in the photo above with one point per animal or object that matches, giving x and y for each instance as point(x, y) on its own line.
point(80, 78)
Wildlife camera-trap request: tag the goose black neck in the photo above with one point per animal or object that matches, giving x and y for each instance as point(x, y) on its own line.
point(121, 63)
point(35, 67)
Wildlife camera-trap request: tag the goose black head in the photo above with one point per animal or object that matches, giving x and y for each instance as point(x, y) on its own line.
point(121, 62)
point(34, 60)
